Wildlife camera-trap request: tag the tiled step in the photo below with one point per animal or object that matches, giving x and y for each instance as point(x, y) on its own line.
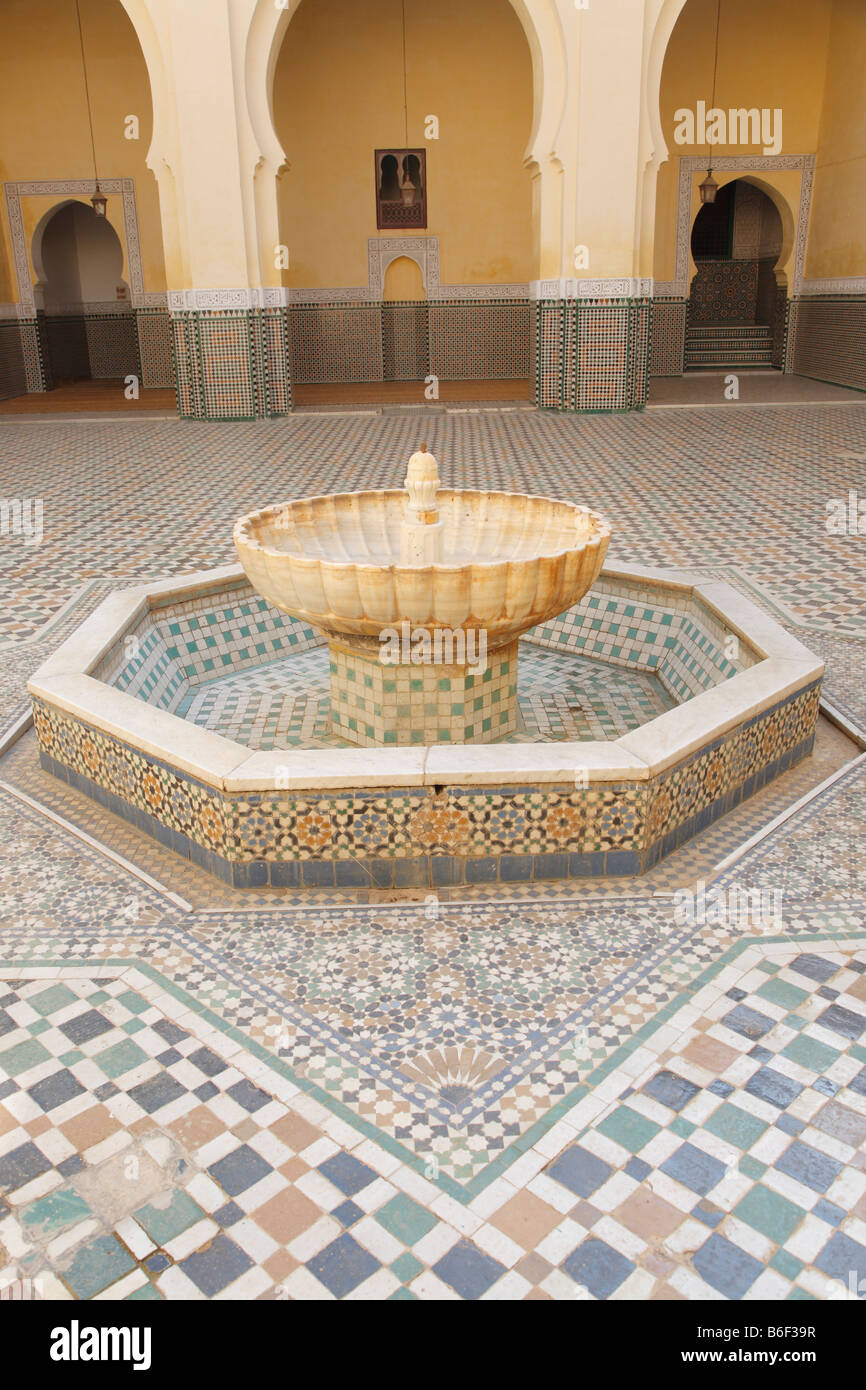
point(727, 360)
point(727, 339)
point(734, 340)
point(725, 348)
point(729, 345)
point(727, 364)
point(735, 344)
point(708, 329)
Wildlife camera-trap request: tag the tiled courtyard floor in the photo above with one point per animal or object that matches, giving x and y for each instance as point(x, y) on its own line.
point(757, 386)
point(583, 1094)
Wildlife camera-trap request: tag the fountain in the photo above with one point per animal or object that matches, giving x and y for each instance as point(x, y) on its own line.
point(423, 596)
point(344, 708)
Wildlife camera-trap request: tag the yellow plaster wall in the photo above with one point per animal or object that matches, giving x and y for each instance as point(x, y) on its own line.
point(43, 115)
point(338, 96)
point(772, 53)
point(837, 233)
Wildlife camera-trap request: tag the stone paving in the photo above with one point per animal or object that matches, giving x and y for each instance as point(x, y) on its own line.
point(642, 1094)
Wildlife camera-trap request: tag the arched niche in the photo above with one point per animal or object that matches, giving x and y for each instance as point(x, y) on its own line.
point(403, 280)
point(736, 244)
point(78, 258)
point(88, 328)
point(542, 26)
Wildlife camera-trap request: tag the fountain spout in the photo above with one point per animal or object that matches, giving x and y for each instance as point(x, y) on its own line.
point(421, 529)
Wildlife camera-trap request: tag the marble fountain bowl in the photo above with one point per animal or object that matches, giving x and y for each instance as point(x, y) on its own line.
point(508, 561)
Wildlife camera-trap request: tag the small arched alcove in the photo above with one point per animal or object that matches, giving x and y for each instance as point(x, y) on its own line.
point(90, 326)
point(403, 280)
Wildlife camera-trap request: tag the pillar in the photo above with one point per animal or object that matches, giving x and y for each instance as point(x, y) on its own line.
point(228, 309)
point(593, 316)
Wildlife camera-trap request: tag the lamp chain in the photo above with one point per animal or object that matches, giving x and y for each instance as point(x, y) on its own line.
point(87, 92)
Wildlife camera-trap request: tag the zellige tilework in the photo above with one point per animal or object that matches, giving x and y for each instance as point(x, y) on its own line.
point(694, 1129)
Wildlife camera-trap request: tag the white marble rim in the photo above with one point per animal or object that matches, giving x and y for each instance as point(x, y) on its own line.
point(245, 528)
point(64, 683)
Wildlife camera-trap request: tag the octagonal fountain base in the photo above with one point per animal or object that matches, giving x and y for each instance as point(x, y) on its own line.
point(172, 706)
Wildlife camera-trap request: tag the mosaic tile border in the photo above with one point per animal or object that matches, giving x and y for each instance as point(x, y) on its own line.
point(231, 364)
point(24, 366)
point(827, 337)
point(668, 337)
point(429, 837)
point(592, 355)
point(155, 347)
point(455, 339)
point(13, 374)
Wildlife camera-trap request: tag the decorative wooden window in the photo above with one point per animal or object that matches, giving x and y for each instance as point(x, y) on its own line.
point(401, 188)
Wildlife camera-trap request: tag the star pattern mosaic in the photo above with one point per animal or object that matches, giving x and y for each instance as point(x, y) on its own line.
point(546, 1095)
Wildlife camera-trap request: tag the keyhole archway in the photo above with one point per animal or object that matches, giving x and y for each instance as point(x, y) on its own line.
point(737, 300)
point(89, 323)
point(736, 243)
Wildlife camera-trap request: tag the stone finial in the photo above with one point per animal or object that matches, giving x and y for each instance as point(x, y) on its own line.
point(422, 484)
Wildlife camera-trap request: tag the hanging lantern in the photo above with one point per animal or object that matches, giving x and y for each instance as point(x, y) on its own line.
point(407, 193)
point(99, 201)
point(709, 188)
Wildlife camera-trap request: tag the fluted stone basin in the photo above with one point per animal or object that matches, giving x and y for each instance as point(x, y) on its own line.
point(423, 594)
point(509, 561)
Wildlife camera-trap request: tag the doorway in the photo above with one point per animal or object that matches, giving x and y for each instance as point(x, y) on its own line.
point(88, 326)
point(734, 298)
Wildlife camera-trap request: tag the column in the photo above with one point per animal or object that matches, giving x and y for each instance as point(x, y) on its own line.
point(228, 315)
point(594, 323)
